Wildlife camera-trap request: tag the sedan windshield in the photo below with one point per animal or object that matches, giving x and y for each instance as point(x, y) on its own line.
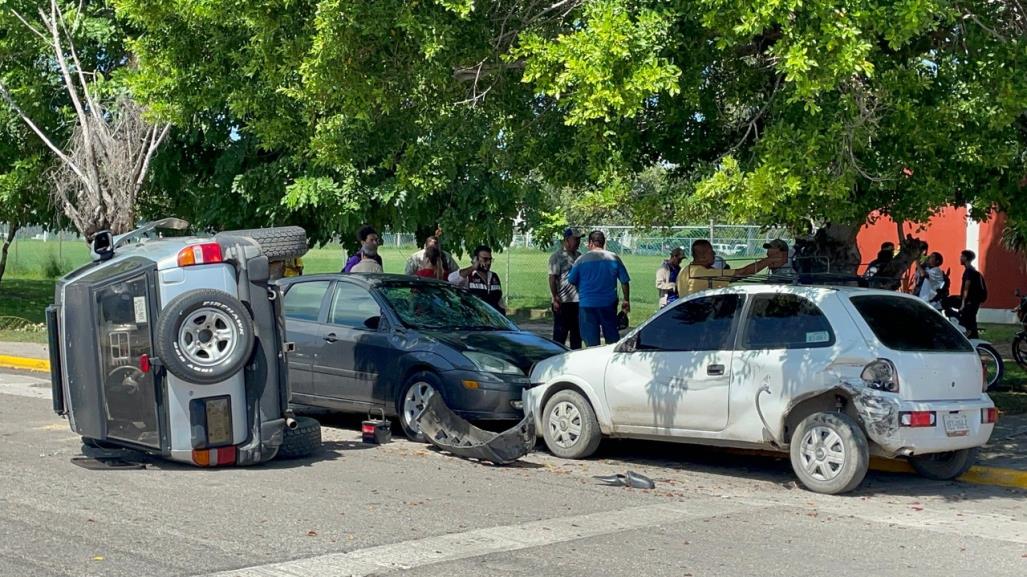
point(436, 306)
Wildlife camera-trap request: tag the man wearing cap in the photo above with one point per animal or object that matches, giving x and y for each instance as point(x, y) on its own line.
point(667, 277)
point(596, 275)
point(781, 271)
point(700, 274)
point(565, 295)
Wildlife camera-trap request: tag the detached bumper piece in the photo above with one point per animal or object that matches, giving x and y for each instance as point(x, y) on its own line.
point(444, 429)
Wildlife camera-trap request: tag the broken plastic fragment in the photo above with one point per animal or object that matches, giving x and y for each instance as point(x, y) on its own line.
point(631, 479)
point(444, 429)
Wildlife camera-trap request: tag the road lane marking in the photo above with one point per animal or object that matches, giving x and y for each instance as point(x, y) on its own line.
point(479, 542)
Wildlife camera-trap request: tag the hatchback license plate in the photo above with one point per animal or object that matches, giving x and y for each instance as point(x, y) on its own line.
point(955, 425)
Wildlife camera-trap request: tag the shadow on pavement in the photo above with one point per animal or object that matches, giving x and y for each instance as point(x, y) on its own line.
point(760, 466)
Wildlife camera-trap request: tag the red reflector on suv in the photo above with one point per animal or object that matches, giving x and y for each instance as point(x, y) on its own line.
point(917, 418)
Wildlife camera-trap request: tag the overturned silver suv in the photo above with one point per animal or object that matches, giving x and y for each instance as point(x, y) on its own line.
point(175, 346)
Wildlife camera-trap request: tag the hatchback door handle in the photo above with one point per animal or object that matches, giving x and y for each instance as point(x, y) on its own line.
point(330, 337)
point(715, 370)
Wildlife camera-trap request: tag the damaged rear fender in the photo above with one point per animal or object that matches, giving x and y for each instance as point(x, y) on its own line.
point(878, 412)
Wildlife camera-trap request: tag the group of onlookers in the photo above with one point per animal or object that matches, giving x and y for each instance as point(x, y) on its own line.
point(583, 286)
point(433, 262)
point(707, 270)
point(584, 291)
point(932, 285)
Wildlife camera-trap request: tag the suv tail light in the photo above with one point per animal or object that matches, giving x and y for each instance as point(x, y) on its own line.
point(881, 375)
point(206, 253)
point(214, 457)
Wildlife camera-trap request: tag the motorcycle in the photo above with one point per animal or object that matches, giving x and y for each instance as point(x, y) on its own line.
point(1020, 339)
point(991, 360)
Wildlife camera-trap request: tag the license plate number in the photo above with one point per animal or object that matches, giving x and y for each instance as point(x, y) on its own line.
point(955, 425)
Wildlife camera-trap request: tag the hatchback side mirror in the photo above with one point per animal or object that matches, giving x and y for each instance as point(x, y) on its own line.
point(373, 322)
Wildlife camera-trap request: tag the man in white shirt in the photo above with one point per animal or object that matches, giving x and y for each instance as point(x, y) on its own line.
point(933, 280)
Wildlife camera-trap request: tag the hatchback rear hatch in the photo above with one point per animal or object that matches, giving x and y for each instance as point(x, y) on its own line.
point(933, 359)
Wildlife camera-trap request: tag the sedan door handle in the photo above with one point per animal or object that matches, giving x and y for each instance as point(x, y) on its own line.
point(330, 337)
point(715, 370)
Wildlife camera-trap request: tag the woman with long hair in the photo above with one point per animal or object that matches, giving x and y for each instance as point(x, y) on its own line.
point(434, 265)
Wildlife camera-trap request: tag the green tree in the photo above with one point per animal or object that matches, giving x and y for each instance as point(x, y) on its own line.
point(329, 113)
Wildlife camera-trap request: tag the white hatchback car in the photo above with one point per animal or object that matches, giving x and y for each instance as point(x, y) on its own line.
point(830, 374)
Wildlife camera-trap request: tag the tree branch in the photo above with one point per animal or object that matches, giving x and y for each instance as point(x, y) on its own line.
point(38, 131)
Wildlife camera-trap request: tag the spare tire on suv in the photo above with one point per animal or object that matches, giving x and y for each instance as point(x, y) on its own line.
point(204, 336)
point(277, 243)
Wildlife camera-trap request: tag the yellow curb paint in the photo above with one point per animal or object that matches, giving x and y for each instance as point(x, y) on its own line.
point(23, 363)
point(979, 475)
point(996, 476)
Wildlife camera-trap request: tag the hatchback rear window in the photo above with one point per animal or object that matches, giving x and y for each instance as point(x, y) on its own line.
point(905, 324)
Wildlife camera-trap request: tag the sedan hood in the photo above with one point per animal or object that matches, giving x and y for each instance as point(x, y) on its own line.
point(523, 349)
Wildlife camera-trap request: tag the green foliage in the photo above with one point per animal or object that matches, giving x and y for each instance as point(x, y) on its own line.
point(607, 67)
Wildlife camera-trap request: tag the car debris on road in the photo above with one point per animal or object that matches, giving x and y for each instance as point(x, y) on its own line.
point(447, 431)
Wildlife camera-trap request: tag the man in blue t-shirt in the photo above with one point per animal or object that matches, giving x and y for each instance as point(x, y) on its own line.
point(596, 274)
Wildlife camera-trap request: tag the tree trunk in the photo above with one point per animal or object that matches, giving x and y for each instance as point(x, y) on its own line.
point(14, 226)
point(832, 250)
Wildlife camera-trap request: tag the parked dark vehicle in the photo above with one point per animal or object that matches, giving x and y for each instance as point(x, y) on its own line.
point(391, 341)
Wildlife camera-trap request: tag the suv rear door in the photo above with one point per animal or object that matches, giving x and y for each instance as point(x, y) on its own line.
point(934, 360)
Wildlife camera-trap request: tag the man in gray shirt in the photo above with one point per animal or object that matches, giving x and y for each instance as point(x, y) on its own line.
point(564, 294)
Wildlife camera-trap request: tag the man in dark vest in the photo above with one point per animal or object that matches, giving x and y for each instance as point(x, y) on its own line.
point(480, 280)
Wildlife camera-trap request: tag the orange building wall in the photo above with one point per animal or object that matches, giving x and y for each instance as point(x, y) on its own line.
point(946, 233)
point(1003, 270)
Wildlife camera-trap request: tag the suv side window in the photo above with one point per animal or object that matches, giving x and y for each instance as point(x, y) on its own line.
point(352, 306)
point(702, 324)
point(303, 301)
point(785, 321)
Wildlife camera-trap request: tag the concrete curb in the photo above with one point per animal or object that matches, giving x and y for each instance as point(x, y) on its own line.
point(25, 364)
point(978, 475)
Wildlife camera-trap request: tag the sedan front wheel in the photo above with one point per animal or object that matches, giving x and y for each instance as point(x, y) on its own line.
point(570, 427)
point(418, 391)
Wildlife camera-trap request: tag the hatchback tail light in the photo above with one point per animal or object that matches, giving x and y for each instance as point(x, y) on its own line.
point(918, 418)
point(989, 415)
point(881, 375)
point(206, 253)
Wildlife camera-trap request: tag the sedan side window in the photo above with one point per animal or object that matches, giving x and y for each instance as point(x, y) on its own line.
point(786, 321)
point(702, 324)
point(353, 306)
point(303, 301)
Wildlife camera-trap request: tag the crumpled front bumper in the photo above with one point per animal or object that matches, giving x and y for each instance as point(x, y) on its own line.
point(447, 431)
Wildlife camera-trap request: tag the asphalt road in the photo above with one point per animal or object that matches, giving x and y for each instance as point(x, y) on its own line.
point(404, 509)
